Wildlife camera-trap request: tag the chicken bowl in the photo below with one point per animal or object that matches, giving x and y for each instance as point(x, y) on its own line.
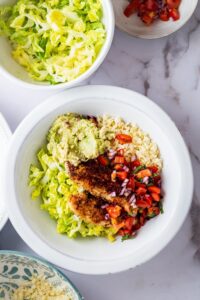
point(91, 180)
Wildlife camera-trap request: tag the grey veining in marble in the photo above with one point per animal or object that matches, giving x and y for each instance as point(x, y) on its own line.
point(168, 72)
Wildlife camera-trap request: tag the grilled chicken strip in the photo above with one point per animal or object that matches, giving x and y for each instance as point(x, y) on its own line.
point(88, 208)
point(96, 180)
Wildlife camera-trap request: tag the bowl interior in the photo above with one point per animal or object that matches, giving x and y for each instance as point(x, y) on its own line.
point(134, 26)
point(11, 67)
point(17, 269)
point(97, 249)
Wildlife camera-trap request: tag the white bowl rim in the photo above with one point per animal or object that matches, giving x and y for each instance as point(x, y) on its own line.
point(66, 85)
point(19, 223)
point(8, 134)
point(155, 36)
point(45, 263)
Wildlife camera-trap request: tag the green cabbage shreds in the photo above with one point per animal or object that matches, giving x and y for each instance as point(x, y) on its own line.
point(51, 183)
point(55, 40)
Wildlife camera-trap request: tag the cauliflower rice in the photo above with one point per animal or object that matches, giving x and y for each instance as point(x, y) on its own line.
point(142, 146)
point(40, 289)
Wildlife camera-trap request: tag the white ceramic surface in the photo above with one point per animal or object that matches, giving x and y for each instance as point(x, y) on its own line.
point(5, 135)
point(97, 256)
point(135, 27)
point(14, 71)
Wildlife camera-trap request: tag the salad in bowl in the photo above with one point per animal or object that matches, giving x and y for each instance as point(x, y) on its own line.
point(98, 176)
point(56, 42)
point(92, 165)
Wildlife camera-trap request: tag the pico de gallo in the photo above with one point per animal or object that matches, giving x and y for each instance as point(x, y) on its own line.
point(139, 184)
point(151, 10)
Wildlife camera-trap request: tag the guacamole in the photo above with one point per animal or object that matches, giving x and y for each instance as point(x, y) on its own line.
point(74, 138)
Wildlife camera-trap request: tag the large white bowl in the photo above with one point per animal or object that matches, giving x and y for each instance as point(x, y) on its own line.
point(97, 256)
point(135, 27)
point(11, 69)
point(5, 135)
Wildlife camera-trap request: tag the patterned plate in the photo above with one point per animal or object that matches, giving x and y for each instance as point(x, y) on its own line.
point(17, 268)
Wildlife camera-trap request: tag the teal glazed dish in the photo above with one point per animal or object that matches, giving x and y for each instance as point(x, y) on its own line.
point(17, 269)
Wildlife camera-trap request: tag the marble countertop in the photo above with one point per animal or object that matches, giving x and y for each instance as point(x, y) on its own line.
point(168, 71)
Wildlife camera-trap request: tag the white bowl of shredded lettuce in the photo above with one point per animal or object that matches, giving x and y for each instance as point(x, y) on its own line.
point(54, 44)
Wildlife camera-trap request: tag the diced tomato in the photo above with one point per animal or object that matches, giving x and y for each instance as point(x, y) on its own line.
point(141, 191)
point(139, 184)
point(173, 3)
point(151, 5)
point(116, 224)
point(148, 199)
point(124, 138)
point(119, 159)
point(129, 223)
point(153, 211)
point(142, 220)
point(153, 169)
point(120, 152)
point(123, 232)
point(118, 167)
point(149, 10)
point(144, 173)
point(135, 163)
point(131, 8)
point(137, 226)
point(174, 14)
point(154, 189)
point(104, 161)
point(113, 176)
point(144, 213)
point(157, 179)
point(114, 211)
point(142, 204)
point(131, 183)
point(164, 15)
point(156, 197)
point(122, 175)
point(147, 19)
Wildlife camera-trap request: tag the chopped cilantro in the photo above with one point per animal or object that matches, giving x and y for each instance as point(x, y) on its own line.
point(161, 207)
point(138, 169)
point(126, 237)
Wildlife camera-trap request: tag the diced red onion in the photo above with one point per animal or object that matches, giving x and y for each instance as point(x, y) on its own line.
point(124, 183)
point(133, 158)
point(112, 151)
point(127, 193)
point(145, 180)
point(111, 156)
point(132, 199)
point(107, 217)
point(122, 191)
point(125, 168)
point(104, 206)
point(113, 194)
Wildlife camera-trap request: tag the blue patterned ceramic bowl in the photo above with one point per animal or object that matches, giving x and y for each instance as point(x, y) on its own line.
point(17, 268)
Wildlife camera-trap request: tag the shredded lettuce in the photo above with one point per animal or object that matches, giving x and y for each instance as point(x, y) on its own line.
point(55, 40)
point(51, 183)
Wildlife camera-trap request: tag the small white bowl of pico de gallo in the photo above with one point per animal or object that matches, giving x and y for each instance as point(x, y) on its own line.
point(150, 19)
